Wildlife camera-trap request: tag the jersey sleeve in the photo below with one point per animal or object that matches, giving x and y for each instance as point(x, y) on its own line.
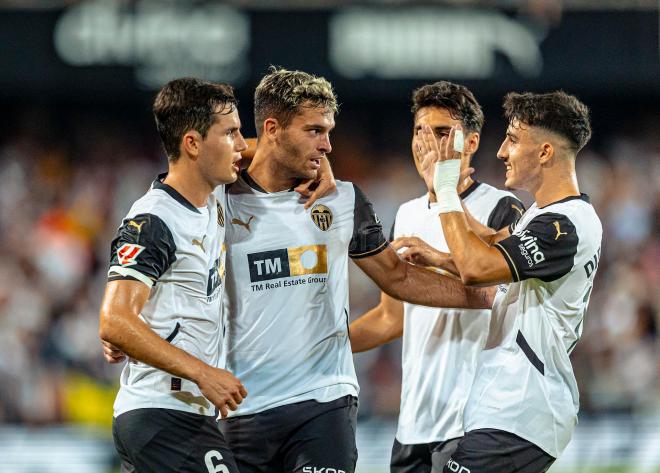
point(142, 250)
point(391, 238)
point(545, 249)
point(368, 238)
point(506, 213)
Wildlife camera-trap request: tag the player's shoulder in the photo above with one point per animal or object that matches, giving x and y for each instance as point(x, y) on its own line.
point(578, 209)
point(153, 202)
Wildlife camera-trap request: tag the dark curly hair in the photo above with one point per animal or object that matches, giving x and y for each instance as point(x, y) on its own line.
point(189, 104)
point(456, 99)
point(557, 111)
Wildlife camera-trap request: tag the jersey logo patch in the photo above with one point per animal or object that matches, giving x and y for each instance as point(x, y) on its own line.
point(133, 223)
point(559, 232)
point(196, 242)
point(127, 253)
point(288, 262)
point(221, 215)
point(322, 217)
point(517, 209)
point(236, 221)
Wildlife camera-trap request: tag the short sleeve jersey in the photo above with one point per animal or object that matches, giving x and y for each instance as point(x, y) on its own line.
point(525, 383)
point(177, 250)
point(287, 291)
point(443, 344)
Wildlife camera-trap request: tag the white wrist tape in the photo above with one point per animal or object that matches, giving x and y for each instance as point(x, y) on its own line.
point(445, 180)
point(458, 141)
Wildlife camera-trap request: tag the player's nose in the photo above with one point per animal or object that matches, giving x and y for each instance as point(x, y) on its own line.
point(324, 145)
point(240, 143)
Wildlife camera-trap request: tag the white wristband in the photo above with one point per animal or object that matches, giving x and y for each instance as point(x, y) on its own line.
point(445, 180)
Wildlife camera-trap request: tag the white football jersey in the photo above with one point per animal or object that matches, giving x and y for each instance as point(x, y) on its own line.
point(177, 250)
point(287, 291)
point(524, 382)
point(441, 346)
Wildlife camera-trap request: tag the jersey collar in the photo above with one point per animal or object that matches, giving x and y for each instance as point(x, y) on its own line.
point(254, 185)
point(583, 197)
point(172, 192)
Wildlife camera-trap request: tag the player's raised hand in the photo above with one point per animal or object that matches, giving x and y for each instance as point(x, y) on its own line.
point(223, 389)
point(111, 353)
point(323, 185)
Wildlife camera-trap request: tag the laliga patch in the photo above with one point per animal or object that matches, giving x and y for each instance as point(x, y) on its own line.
point(127, 253)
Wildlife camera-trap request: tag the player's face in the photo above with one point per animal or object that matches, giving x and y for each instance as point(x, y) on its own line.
point(519, 151)
point(305, 141)
point(221, 149)
point(440, 121)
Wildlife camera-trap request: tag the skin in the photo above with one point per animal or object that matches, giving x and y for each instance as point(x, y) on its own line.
point(384, 323)
point(304, 141)
point(204, 163)
point(312, 189)
point(538, 161)
point(285, 155)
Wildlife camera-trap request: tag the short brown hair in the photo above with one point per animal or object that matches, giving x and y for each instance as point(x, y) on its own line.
point(281, 94)
point(456, 99)
point(557, 111)
point(189, 104)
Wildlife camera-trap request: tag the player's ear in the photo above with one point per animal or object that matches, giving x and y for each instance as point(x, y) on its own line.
point(190, 143)
point(472, 143)
point(271, 127)
point(546, 153)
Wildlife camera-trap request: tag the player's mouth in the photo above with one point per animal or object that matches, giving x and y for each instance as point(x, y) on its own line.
point(315, 163)
point(236, 164)
point(509, 170)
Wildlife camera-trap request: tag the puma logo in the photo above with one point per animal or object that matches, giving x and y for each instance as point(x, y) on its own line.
point(517, 209)
point(236, 221)
point(559, 232)
point(133, 223)
point(196, 242)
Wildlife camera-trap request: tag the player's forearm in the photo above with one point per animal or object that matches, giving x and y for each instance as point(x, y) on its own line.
point(133, 337)
point(373, 329)
point(424, 287)
point(469, 252)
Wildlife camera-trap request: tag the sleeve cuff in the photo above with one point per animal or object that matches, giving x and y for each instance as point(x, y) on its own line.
point(375, 251)
point(115, 271)
point(509, 262)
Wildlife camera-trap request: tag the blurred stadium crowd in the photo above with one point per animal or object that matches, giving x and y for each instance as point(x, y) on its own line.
point(65, 184)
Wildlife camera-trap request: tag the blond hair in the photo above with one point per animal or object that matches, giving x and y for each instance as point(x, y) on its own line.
point(282, 93)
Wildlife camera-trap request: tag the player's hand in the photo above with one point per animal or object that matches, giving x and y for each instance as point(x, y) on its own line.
point(223, 389)
point(323, 185)
point(418, 252)
point(111, 353)
point(429, 150)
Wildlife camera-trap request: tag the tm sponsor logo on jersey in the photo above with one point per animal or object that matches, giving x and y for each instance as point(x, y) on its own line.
point(529, 248)
point(280, 268)
point(216, 276)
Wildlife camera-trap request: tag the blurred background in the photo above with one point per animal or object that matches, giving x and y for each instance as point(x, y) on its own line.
point(78, 146)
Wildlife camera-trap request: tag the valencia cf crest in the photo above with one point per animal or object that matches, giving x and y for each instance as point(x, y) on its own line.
point(322, 217)
point(221, 215)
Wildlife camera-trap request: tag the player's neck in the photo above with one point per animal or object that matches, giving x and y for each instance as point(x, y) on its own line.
point(268, 174)
point(556, 189)
point(193, 190)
